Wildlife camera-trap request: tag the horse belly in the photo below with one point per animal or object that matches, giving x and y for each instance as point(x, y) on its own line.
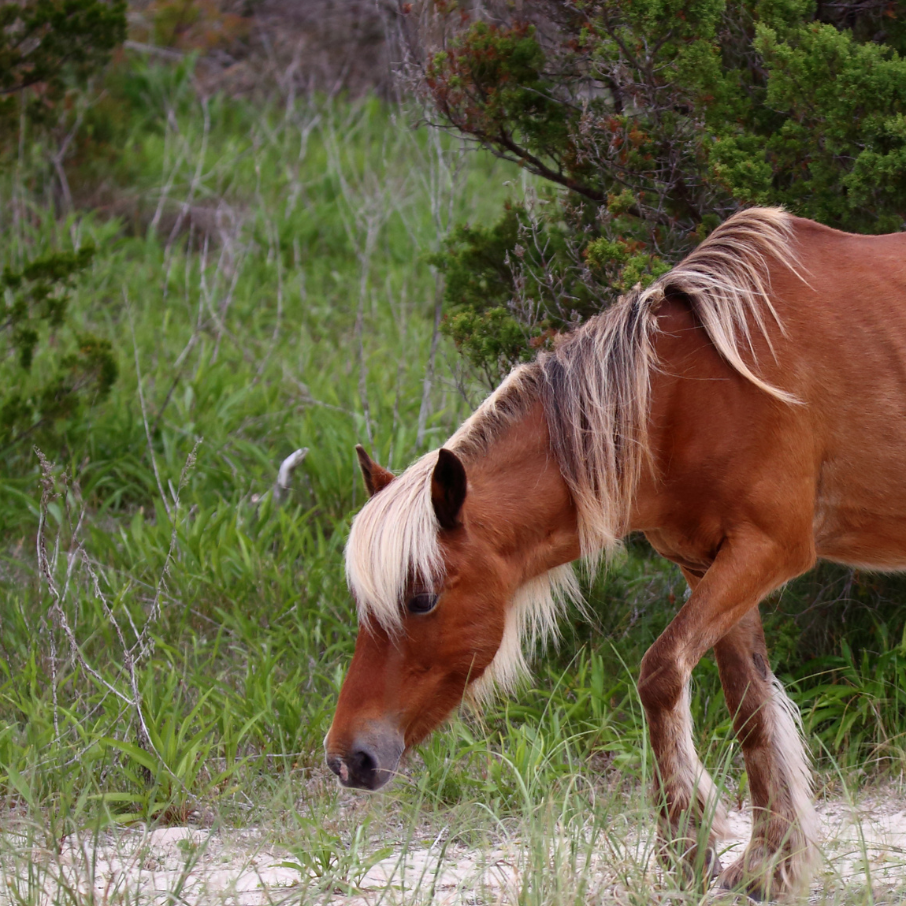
point(860, 512)
point(864, 540)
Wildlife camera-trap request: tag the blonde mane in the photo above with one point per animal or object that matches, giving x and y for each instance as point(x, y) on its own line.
point(595, 388)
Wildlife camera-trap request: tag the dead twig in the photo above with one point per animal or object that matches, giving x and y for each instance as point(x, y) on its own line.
point(285, 473)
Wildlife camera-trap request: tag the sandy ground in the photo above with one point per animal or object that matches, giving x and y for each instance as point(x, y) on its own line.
point(194, 866)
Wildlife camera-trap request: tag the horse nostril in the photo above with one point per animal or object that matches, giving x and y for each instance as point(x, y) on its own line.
point(369, 761)
point(338, 766)
point(363, 764)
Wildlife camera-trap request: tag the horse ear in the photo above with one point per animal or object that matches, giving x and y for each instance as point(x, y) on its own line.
point(448, 488)
point(376, 477)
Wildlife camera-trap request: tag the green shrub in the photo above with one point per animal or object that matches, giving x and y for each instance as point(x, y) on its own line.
point(657, 119)
point(51, 374)
point(49, 46)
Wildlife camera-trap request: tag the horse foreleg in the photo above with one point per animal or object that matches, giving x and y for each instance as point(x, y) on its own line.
point(690, 810)
point(747, 567)
point(781, 853)
point(691, 816)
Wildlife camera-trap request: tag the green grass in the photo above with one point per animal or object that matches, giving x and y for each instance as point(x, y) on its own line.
point(302, 315)
point(261, 273)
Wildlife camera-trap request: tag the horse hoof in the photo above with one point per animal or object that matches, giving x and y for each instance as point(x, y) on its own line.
point(736, 896)
point(751, 891)
point(712, 864)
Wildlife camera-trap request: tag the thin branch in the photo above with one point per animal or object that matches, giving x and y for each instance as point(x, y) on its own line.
point(285, 473)
point(141, 398)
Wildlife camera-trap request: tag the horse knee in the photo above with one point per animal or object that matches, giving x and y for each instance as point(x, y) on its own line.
point(661, 681)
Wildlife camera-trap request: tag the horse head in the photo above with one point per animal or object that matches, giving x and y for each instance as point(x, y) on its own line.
point(444, 596)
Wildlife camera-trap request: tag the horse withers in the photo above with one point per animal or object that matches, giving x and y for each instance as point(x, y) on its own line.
point(747, 412)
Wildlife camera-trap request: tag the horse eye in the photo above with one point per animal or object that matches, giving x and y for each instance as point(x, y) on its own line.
point(421, 603)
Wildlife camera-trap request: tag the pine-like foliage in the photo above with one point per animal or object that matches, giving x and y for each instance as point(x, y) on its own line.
point(50, 45)
point(658, 119)
point(50, 375)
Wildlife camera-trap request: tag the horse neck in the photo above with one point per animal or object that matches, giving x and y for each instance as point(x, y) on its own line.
point(519, 501)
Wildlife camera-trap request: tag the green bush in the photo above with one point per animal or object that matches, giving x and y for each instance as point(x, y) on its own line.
point(657, 119)
point(49, 46)
point(51, 374)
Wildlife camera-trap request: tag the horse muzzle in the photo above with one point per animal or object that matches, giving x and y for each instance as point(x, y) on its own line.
point(369, 760)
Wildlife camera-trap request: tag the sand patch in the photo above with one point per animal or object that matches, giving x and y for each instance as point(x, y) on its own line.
point(863, 845)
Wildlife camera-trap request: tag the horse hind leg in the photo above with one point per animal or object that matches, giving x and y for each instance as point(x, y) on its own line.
point(780, 856)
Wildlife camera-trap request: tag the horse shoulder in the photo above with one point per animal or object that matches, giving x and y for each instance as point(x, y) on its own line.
point(724, 453)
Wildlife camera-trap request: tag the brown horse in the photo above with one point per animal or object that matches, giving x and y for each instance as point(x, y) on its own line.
point(747, 412)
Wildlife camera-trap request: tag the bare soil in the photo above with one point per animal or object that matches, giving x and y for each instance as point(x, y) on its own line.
point(864, 846)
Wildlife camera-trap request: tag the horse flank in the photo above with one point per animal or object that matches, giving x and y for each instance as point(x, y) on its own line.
point(595, 390)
